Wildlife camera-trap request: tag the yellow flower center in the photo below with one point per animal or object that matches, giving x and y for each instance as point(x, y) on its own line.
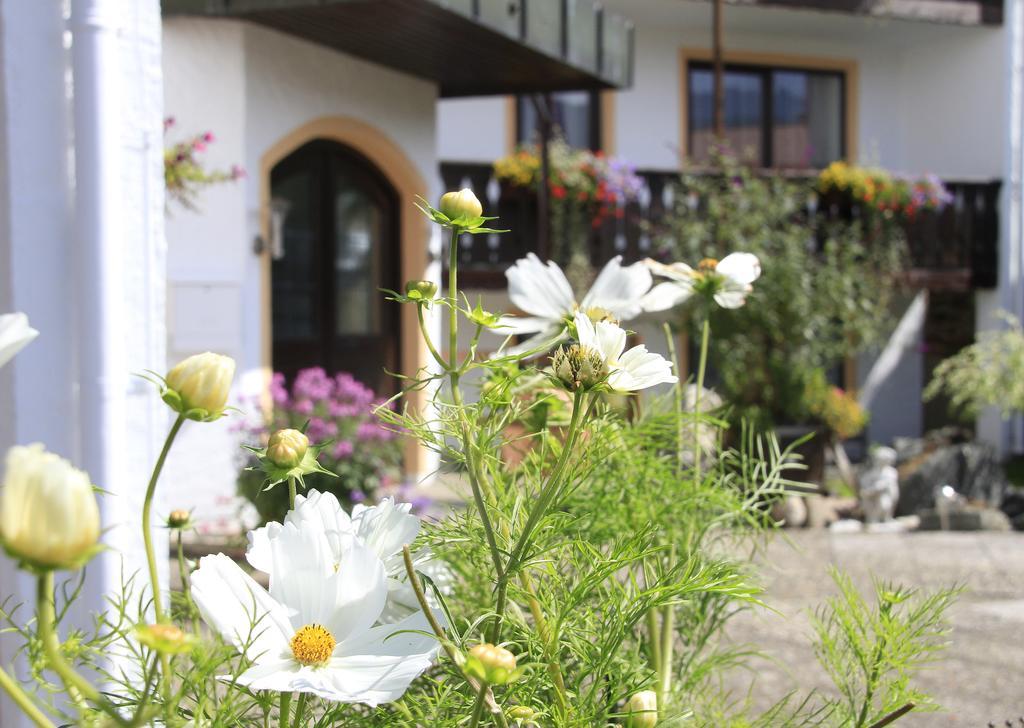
point(707, 264)
point(313, 645)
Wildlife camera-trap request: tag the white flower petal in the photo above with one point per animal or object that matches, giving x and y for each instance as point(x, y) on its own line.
point(240, 609)
point(667, 295)
point(540, 289)
point(386, 527)
point(674, 271)
point(521, 325)
point(619, 289)
point(732, 294)
point(639, 369)
point(360, 591)
point(15, 333)
point(744, 268)
point(258, 552)
point(604, 337)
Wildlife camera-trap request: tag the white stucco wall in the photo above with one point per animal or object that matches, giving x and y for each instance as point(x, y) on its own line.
point(251, 87)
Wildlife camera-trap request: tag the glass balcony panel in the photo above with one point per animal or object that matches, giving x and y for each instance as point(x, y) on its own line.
point(502, 15)
point(583, 34)
point(615, 66)
point(544, 26)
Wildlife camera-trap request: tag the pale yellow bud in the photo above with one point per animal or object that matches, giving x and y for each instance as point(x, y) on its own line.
point(48, 511)
point(493, 664)
point(642, 710)
point(461, 205)
point(286, 448)
point(202, 382)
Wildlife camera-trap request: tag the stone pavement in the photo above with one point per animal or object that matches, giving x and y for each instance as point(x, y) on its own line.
point(980, 679)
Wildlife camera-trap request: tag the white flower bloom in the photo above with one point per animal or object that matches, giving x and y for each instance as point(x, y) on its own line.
point(729, 281)
point(314, 632)
point(542, 290)
point(627, 372)
point(384, 528)
point(15, 333)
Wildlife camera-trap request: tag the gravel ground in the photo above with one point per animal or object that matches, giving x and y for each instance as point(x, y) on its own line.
point(981, 679)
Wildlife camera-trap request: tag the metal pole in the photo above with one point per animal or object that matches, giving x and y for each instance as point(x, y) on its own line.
point(719, 73)
point(542, 105)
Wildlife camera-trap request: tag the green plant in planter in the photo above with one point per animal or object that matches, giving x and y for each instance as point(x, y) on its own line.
point(827, 291)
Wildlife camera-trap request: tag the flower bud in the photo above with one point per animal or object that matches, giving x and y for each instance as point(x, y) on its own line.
point(492, 664)
point(461, 205)
point(642, 710)
point(200, 383)
point(165, 638)
point(179, 518)
point(421, 290)
point(48, 512)
point(522, 714)
point(287, 448)
point(579, 367)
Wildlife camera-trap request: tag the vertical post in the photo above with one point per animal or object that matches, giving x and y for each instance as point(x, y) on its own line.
point(719, 72)
point(542, 105)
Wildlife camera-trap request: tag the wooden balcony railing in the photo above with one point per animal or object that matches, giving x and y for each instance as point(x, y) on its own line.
point(955, 248)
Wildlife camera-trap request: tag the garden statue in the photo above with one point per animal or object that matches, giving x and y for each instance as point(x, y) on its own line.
point(880, 486)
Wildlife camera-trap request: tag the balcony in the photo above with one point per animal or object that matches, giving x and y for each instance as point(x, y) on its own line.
point(954, 249)
point(468, 47)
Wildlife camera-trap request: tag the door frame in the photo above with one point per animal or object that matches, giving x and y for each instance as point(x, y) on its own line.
point(414, 237)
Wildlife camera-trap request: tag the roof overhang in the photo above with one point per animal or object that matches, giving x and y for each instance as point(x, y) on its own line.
point(469, 47)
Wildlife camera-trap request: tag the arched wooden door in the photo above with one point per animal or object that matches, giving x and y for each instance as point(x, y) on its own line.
point(340, 246)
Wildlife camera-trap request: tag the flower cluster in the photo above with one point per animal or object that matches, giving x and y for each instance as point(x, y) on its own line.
point(836, 409)
point(339, 411)
point(184, 174)
point(887, 193)
point(577, 175)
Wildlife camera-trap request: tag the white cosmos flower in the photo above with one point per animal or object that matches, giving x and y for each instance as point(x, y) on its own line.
point(542, 290)
point(314, 632)
point(15, 333)
point(627, 372)
point(384, 528)
point(728, 281)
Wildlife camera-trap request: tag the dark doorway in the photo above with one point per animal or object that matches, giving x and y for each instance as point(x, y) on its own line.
point(340, 247)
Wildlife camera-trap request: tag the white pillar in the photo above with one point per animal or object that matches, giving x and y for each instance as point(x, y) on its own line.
point(82, 252)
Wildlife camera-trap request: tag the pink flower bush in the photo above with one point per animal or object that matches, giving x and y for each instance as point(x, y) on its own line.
point(337, 409)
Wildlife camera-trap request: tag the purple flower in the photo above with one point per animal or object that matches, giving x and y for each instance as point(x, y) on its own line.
point(304, 407)
point(343, 449)
point(357, 496)
point(370, 431)
point(314, 384)
point(278, 390)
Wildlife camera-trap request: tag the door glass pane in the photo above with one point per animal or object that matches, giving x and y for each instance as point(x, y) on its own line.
point(572, 114)
point(744, 107)
point(357, 246)
point(295, 313)
point(807, 125)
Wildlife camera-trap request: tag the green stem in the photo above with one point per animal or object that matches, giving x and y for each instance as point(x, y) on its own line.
point(894, 716)
point(478, 707)
point(653, 639)
point(668, 626)
point(453, 300)
point(47, 628)
point(23, 701)
point(300, 710)
point(291, 493)
point(701, 368)
point(147, 531)
point(550, 642)
point(426, 337)
point(284, 710)
point(186, 584)
point(677, 392)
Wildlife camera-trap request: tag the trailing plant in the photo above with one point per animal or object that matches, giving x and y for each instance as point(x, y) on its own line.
point(988, 373)
point(185, 176)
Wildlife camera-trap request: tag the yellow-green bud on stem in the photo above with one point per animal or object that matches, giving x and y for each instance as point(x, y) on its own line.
point(642, 710)
point(522, 714)
point(287, 448)
point(579, 367)
point(461, 205)
point(49, 517)
point(200, 385)
point(423, 290)
point(165, 638)
point(492, 664)
point(179, 518)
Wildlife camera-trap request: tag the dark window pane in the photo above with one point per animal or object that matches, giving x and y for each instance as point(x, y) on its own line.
point(744, 113)
point(357, 252)
point(295, 310)
point(573, 114)
point(807, 119)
